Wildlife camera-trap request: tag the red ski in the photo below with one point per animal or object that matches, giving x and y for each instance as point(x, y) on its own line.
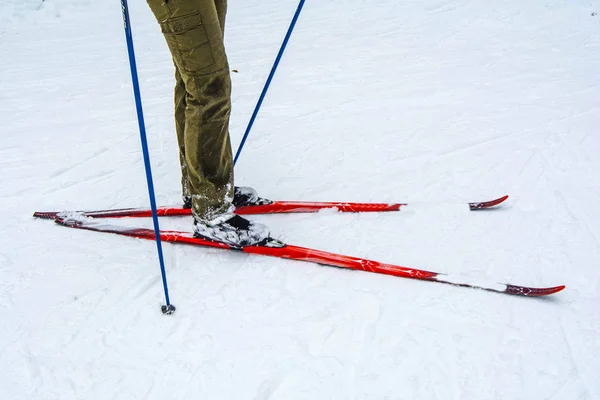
point(273, 207)
point(275, 248)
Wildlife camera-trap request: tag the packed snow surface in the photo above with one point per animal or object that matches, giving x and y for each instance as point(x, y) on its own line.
point(432, 102)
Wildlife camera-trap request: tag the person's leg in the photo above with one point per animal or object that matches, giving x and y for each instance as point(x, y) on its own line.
point(194, 36)
point(180, 104)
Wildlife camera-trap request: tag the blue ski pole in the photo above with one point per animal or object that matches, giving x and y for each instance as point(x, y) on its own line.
point(168, 308)
point(269, 79)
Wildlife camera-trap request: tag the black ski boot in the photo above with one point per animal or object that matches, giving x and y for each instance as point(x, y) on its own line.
point(234, 230)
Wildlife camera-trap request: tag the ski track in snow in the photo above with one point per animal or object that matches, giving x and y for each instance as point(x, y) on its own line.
point(433, 103)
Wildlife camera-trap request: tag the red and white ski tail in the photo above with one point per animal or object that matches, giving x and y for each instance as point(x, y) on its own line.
point(275, 248)
point(274, 207)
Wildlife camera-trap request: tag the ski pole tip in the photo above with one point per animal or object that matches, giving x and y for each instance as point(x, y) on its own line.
point(168, 309)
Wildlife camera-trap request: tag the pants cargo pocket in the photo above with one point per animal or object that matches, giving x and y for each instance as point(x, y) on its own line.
point(187, 39)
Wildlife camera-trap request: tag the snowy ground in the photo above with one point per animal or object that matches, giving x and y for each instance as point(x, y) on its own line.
point(413, 101)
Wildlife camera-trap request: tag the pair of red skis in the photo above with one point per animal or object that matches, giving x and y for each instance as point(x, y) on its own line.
point(88, 220)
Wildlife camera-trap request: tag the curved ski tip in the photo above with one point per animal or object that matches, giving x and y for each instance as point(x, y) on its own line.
point(533, 292)
point(546, 291)
point(557, 289)
point(487, 204)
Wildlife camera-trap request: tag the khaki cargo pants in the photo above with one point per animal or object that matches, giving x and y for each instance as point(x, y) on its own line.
point(194, 31)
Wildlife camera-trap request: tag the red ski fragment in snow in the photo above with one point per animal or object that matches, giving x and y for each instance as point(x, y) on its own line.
point(487, 204)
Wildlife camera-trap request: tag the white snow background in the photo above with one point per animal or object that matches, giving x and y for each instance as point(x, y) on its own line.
point(429, 102)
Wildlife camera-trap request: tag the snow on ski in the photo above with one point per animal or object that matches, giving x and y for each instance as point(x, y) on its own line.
point(275, 248)
point(272, 208)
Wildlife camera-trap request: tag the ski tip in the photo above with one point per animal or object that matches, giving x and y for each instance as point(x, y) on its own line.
point(533, 292)
point(482, 205)
point(553, 290)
